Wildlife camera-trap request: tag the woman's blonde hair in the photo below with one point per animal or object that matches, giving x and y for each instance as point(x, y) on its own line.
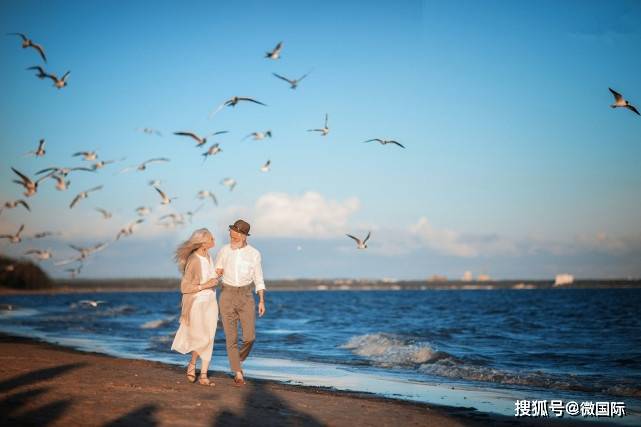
point(186, 248)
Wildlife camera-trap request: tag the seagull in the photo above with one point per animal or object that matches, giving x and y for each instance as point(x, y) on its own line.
point(143, 210)
point(63, 171)
point(619, 101)
point(385, 141)
point(105, 214)
point(129, 229)
point(266, 167)
point(61, 184)
point(83, 195)
point(85, 252)
point(44, 234)
point(31, 187)
point(26, 42)
point(212, 151)
point(206, 193)
point(229, 182)
point(41, 72)
point(14, 204)
point(175, 218)
point(275, 53)
point(13, 238)
point(150, 131)
point(165, 200)
point(190, 214)
point(200, 141)
point(74, 271)
point(360, 244)
point(323, 131)
point(293, 83)
point(40, 152)
point(87, 155)
point(143, 165)
point(91, 302)
point(257, 136)
point(101, 164)
point(231, 102)
point(41, 255)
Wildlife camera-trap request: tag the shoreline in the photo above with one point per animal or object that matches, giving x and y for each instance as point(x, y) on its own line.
point(90, 386)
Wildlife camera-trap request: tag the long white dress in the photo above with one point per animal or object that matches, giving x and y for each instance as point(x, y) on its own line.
point(203, 318)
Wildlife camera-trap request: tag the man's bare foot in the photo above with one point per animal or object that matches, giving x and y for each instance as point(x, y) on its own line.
point(239, 379)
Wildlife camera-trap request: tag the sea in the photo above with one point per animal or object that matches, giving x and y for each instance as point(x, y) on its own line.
point(483, 349)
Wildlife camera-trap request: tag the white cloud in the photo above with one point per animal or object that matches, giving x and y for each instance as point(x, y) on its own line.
point(448, 242)
point(309, 215)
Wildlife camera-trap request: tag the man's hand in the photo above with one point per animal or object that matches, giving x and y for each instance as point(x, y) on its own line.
point(261, 308)
point(220, 271)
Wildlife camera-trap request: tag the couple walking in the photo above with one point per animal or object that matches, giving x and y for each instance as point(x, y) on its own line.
point(239, 264)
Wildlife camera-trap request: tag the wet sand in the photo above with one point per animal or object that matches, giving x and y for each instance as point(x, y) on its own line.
point(43, 384)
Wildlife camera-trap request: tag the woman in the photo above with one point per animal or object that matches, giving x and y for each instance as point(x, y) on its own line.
point(199, 313)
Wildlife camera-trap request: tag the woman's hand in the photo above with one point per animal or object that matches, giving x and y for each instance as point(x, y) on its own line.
point(220, 271)
point(210, 283)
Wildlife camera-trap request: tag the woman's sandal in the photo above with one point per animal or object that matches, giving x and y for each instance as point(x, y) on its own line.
point(203, 380)
point(191, 372)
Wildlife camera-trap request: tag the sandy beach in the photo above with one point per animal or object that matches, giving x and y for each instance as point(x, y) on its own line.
point(43, 384)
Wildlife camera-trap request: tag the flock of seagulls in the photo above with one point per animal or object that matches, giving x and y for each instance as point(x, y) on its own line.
point(62, 183)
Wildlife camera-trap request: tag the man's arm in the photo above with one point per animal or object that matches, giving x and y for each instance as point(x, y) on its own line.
point(259, 282)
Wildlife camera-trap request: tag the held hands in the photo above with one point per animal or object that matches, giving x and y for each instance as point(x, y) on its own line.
point(220, 271)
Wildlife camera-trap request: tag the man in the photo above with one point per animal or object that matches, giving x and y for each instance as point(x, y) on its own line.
point(240, 265)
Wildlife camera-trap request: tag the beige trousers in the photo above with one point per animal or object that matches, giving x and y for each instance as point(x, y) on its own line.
point(238, 304)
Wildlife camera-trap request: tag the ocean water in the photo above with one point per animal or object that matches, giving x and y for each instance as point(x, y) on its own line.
point(482, 349)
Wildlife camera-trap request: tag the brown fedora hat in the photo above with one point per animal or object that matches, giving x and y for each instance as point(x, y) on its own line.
point(241, 227)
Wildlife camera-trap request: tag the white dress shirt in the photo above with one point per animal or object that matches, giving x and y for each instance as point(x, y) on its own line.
point(241, 266)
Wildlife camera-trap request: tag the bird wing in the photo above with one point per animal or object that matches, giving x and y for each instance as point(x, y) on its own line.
point(374, 139)
point(40, 50)
point(158, 159)
point(80, 153)
point(32, 251)
point(22, 176)
point(220, 132)
point(65, 75)
point(283, 78)
point(82, 169)
point(75, 200)
point(632, 108)
point(241, 98)
point(18, 34)
point(301, 78)
point(367, 238)
point(94, 189)
point(47, 170)
point(326, 118)
point(617, 95)
point(163, 195)
point(66, 261)
point(220, 107)
point(23, 203)
point(397, 143)
point(357, 240)
point(20, 230)
point(41, 144)
point(189, 134)
point(213, 197)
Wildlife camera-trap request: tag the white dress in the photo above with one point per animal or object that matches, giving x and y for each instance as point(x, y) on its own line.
point(203, 318)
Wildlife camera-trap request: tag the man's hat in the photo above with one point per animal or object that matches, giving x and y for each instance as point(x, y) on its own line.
point(241, 227)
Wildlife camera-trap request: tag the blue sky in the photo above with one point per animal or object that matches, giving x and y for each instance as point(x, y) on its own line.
point(515, 166)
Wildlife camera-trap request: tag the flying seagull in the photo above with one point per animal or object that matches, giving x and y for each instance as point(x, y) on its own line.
point(31, 187)
point(206, 193)
point(105, 214)
point(86, 155)
point(212, 151)
point(57, 82)
point(101, 164)
point(13, 238)
point(150, 131)
point(129, 229)
point(44, 234)
point(257, 136)
point(14, 204)
point(85, 252)
point(619, 101)
point(63, 171)
point(61, 184)
point(231, 102)
point(266, 167)
point(200, 141)
point(165, 200)
point(229, 182)
point(143, 210)
point(275, 53)
point(73, 272)
point(40, 254)
point(26, 42)
point(40, 151)
point(143, 166)
point(324, 130)
point(293, 83)
point(83, 195)
point(360, 244)
point(385, 141)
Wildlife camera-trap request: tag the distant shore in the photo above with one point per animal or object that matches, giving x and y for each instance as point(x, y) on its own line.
point(171, 284)
point(59, 386)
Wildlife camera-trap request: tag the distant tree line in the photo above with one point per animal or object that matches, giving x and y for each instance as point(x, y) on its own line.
point(22, 274)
